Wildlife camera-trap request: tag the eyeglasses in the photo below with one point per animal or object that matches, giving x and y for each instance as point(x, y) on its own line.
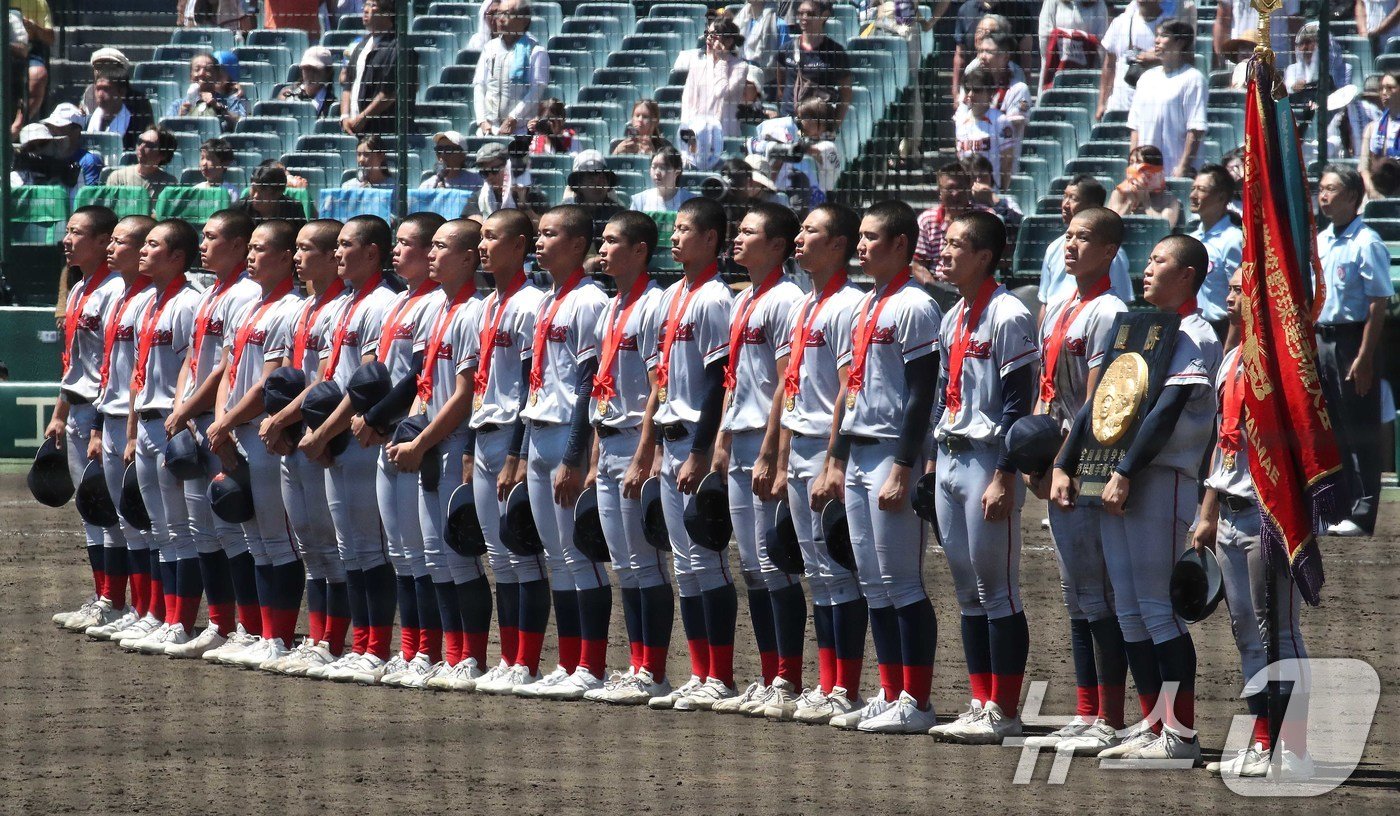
point(491, 171)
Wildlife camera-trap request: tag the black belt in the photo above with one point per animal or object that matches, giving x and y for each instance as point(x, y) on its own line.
point(1329, 331)
point(539, 423)
point(605, 431)
point(673, 432)
point(864, 440)
point(956, 443)
point(1237, 504)
point(73, 398)
point(150, 414)
point(488, 427)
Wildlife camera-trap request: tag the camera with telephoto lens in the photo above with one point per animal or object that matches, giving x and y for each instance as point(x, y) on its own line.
point(789, 152)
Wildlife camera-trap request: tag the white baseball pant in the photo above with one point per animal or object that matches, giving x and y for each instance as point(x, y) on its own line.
point(888, 544)
point(1243, 565)
point(984, 556)
point(164, 494)
point(443, 563)
point(1083, 577)
point(304, 496)
point(752, 516)
point(210, 532)
point(77, 432)
point(638, 564)
point(568, 568)
point(831, 583)
point(492, 448)
point(269, 534)
point(698, 569)
point(349, 488)
point(397, 494)
point(1140, 548)
point(114, 470)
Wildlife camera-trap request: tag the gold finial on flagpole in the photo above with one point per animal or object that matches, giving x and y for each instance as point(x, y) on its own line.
point(1264, 35)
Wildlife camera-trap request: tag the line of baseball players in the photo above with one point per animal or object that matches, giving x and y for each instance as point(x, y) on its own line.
point(335, 428)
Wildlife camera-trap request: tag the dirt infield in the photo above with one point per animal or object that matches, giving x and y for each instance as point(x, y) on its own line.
point(89, 729)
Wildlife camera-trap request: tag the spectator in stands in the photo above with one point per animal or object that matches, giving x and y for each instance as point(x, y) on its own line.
point(204, 97)
point(1211, 193)
point(19, 60)
point(1385, 177)
point(765, 33)
point(1083, 192)
point(593, 186)
point(985, 195)
point(815, 64)
point(110, 113)
point(498, 188)
point(368, 95)
point(548, 132)
point(38, 24)
point(79, 166)
point(1357, 266)
point(372, 162)
point(316, 85)
point(1019, 13)
point(238, 16)
point(511, 75)
point(1382, 137)
point(714, 87)
point(215, 158)
point(155, 148)
point(1129, 49)
point(664, 195)
point(902, 20)
point(643, 132)
point(954, 199)
point(1377, 19)
point(450, 147)
point(267, 196)
point(799, 152)
point(1144, 190)
point(1169, 109)
point(1236, 26)
point(1346, 126)
point(1012, 96)
point(1067, 16)
point(111, 63)
point(302, 14)
point(485, 25)
point(982, 130)
point(990, 24)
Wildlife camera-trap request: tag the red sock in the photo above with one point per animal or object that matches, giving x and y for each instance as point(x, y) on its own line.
point(636, 654)
point(1006, 692)
point(1183, 711)
point(1261, 732)
point(359, 639)
point(287, 625)
point(510, 644)
point(1294, 732)
point(155, 594)
point(315, 626)
point(981, 686)
point(569, 650)
point(141, 593)
point(430, 643)
point(1111, 705)
point(99, 583)
point(1088, 701)
point(334, 633)
point(594, 656)
point(116, 591)
point(408, 641)
point(848, 675)
point(768, 665)
point(222, 616)
point(476, 647)
point(528, 655)
point(189, 612)
point(251, 618)
point(699, 657)
point(790, 669)
point(269, 616)
point(891, 680)
point(1148, 704)
point(917, 682)
point(654, 660)
point(826, 668)
point(172, 607)
point(379, 639)
point(453, 645)
point(722, 664)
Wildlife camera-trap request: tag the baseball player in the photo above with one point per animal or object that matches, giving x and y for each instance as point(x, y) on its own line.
point(1149, 503)
point(256, 341)
point(1074, 337)
point(163, 334)
point(988, 378)
point(444, 394)
point(624, 398)
point(304, 481)
point(692, 352)
point(363, 248)
point(85, 240)
point(563, 360)
point(226, 566)
point(499, 389)
point(1229, 524)
point(762, 324)
point(884, 421)
point(812, 384)
point(108, 440)
point(396, 490)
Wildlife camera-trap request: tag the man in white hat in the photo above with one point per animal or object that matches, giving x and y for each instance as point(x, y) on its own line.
point(450, 147)
point(51, 151)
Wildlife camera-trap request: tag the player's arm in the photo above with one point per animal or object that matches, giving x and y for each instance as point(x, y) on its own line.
point(831, 483)
point(249, 406)
point(1017, 394)
point(395, 404)
point(1156, 429)
point(719, 460)
point(569, 477)
point(648, 446)
point(768, 477)
point(218, 433)
point(408, 456)
point(1062, 488)
point(129, 454)
point(1207, 523)
point(920, 376)
point(711, 410)
point(58, 421)
point(513, 472)
point(200, 400)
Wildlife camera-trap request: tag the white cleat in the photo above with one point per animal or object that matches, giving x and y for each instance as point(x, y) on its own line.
point(820, 710)
point(94, 614)
point(1292, 767)
point(332, 669)
point(1093, 741)
point(174, 635)
point(492, 677)
point(278, 665)
point(904, 717)
point(573, 687)
point(850, 720)
point(419, 681)
point(1252, 761)
point(539, 687)
point(1073, 728)
point(128, 637)
point(783, 700)
point(201, 644)
point(1347, 529)
point(412, 670)
point(1130, 740)
point(615, 681)
point(235, 642)
point(974, 710)
point(735, 705)
point(61, 618)
point(667, 701)
point(367, 671)
point(1169, 745)
point(393, 668)
point(250, 656)
point(990, 728)
point(706, 697)
point(465, 676)
point(105, 631)
point(312, 656)
point(155, 636)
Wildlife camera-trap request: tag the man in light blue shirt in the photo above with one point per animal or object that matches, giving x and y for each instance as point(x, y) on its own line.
point(1082, 192)
point(1211, 194)
point(1356, 264)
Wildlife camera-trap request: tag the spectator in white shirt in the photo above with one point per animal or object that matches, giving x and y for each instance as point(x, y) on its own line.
point(511, 75)
point(1089, 16)
point(1169, 108)
point(664, 194)
point(452, 173)
point(372, 163)
point(1130, 39)
point(715, 85)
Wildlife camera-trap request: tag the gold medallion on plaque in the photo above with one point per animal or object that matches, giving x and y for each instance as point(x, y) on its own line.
point(1119, 395)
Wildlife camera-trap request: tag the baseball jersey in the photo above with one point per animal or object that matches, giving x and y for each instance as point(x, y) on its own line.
point(635, 356)
point(987, 135)
point(571, 339)
point(1195, 361)
point(504, 395)
point(405, 324)
point(827, 341)
point(213, 319)
point(905, 330)
point(1002, 341)
point(313, 325)
point(115, 398)
point(1086, 340)
point(170, 335)
point(83, 338)
point(267, 338)
point(457, 347)
point(701, 337)
point(1230, 474)
point(356, 326)
point(767, 329)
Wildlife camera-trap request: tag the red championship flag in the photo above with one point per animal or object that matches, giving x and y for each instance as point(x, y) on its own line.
point(1293, 456)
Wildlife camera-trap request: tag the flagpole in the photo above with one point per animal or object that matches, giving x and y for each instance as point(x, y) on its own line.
point(1324, 77)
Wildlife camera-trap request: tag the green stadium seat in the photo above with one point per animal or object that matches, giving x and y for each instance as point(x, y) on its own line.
point(668, 44)
point(450, 93)
point(178, 53)
point(1381, 208)
point(278, 57)
point(203, 127)
point(460, 26)
point(212, 39)
point(624, 13)
point(686, 28)
point(303, 112)
point(259, 74)
point(1103, 167)
point(341, 40)
point(1077, 79)
point(194, 204)
point(1037, 232)
point(611, 28)
point(1387, 228)
point(1140, 234)
point(177, 72)
point(284, 127)
point(121, 200)
point(292, 39)
point(38, 213)
point(106, 144)
point(1103, 150)
point(551, 182)
point(613, 116)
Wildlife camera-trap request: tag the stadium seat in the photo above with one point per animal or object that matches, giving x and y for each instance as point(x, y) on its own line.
point(303, 112)
point(179, 53)
point(657, 62)
point(163, 71)
point(235, 175)
point(1140, 234)
point(689, 11)
point(1102, 167)
point(608, 27)
point(449, 93)
point(460, 26)
point(284, 127)
point(40, 212)
point(447, 203)
point(106, 144)
point(203, 127)
point(333, 162)
point(194, 204)
point(350, 22)
point(1078, 79)
point(458, 113)
point(668, 44)
point(624, 13)
point(278, 57)
point(457, 75)
point(122, 200)
point(292, 39)
point(1381, 208)
point(1048, 149)
point(1387, 228)
point(339, 41)
point(213, 39)
point(1037, 233)
point(1111, 133)
point(551, 182)
point(892, 46)
point(686, 28)
point(1103, 150)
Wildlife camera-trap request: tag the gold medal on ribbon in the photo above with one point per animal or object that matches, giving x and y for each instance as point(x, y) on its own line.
point(534, 398)
point(603, 408)
point(1229, 460)
point(850, 400)
point(790, 403)
point(661, 395)
point(1119, 395)
point(478, 402)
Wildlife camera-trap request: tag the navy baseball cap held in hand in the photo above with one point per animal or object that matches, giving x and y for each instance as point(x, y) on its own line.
point(49, 480)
